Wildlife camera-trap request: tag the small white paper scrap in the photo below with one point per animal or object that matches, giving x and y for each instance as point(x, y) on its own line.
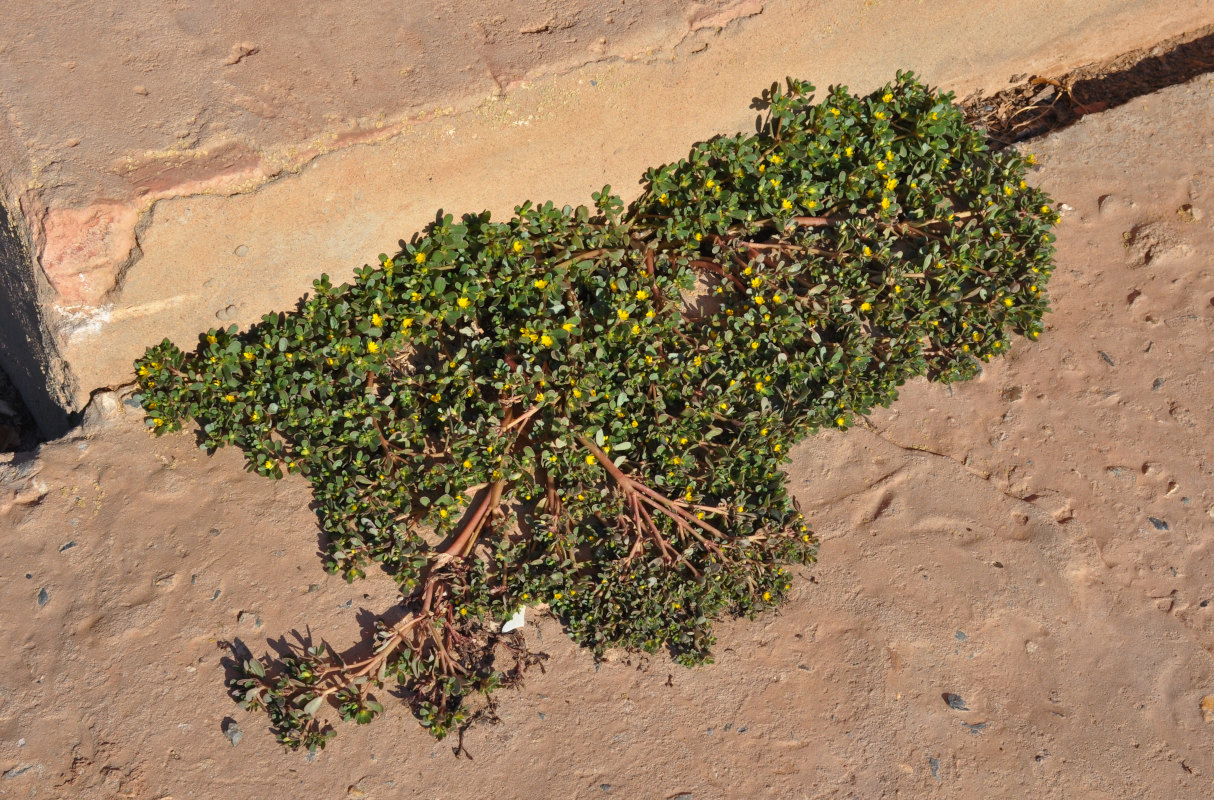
point(514, 622)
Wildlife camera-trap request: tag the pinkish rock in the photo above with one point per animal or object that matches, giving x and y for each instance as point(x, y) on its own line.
point(85, 249)
point(701, 16)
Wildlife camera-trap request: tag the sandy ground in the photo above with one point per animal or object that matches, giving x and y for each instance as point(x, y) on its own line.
point(1036, 542)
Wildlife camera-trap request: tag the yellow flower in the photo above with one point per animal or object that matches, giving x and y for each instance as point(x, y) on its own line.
point(880, 165)
point(847, 151)
point(590, 459)
point(897, 289)
point(406, 323)
point(577, 392)
point(158, 422)
point(568, 326)
point(754, 345)
point(557, 596)
point(885, 202)
point(541, 283)
point(420, 258)
point(891, 184)
point(211, 338)
point(835, 111)
point(759, 300)
point(372, 347)
point(840, 421)
point(786, 204)
point(1032, 159)
point(636, 329)
point(1007, 301)
point(231, 398)
point(650, 314)
point(463, 302)
point(269, 464)
point(376, 320)
point(885, 98)
point(756, 282)
point(758, 386)
point(879, 114)
point(622, 314)
point(546, 340)
point(416, 296)
point(663, 199)
point(866, 306)
point(868, 251)
point(517, 246)
point(642, 294)
point(1045, 209)
point(775, 159)
point(249, 356)
point(708, 184)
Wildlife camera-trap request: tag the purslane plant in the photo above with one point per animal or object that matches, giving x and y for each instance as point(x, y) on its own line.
point(588, 408)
